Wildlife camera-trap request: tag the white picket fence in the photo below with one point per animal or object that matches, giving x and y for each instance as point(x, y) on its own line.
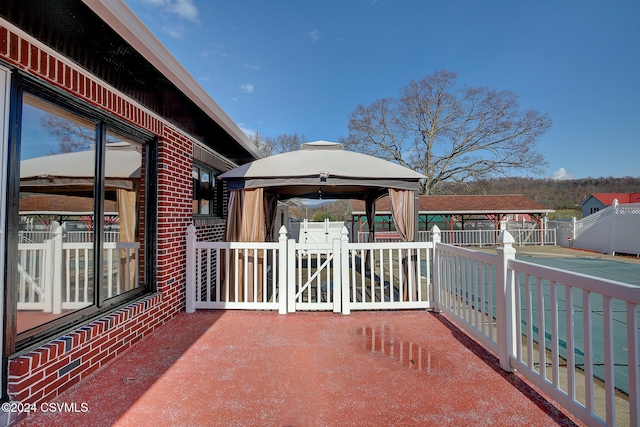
point(555, 327)
point(57, 275)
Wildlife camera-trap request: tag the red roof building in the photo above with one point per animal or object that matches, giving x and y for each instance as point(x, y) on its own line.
point(598, 201)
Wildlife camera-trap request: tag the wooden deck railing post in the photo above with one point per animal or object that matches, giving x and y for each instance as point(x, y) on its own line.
point(505, 301)
point(190, 286)
point(435, 272)
point(282, 271)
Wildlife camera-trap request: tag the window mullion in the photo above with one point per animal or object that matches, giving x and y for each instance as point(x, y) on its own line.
point(98, 221)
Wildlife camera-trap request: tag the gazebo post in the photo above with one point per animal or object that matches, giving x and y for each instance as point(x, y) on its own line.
point(416, 219)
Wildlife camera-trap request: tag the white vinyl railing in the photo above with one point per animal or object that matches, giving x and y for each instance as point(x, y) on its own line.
point(566, 332)
point(241, 275)
point(338, 276)
point(57, 275)
point(391, 275)
point(479, 238)
point(40, 236)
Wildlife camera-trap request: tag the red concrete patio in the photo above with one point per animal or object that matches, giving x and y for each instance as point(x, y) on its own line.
point(241, 368)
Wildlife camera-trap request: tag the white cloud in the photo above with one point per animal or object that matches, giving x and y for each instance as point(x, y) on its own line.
point(217, 50)
point(315, 35)
point(250, 133)
point(246, 88)
point(561, 174)
point(182, 8)
point(175, 31)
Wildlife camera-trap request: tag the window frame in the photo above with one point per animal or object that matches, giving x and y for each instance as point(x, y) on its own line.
point(216, 202)
point(23, 83)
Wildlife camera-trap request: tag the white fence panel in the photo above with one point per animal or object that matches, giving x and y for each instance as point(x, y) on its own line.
point(32, 276)
point(236, 275)
point(611, 230)
point(381, 276)
point(57, 275)
point(467, 285)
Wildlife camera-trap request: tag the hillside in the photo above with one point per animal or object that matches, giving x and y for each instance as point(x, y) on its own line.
point(555, 194)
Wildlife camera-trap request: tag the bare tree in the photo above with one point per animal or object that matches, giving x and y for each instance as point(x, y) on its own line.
point(284, 142)
point(71, 136)
point(450, 133)
point(259, 140)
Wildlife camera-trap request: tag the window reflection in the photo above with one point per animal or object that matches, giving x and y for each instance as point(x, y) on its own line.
point(123, 222)
point(55, 250)
point(205, 193)
point(56, 272)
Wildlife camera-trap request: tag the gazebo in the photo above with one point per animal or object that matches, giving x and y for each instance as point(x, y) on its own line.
point(318, 170)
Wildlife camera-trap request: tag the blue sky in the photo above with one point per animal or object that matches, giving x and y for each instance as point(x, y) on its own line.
point(302, 66)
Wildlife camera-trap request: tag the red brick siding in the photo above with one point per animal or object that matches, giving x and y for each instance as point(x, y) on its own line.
point(47, 371)
point(44, 372)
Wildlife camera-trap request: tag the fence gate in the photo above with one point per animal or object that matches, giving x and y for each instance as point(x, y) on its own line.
point(313, 269)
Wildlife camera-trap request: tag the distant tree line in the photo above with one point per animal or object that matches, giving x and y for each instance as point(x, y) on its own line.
point(554, 194)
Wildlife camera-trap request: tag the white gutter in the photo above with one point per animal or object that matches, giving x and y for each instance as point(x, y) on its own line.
point(123, 21)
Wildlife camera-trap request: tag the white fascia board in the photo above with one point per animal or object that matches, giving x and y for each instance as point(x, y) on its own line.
point(122, 20)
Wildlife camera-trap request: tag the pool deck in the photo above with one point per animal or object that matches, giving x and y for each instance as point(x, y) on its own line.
point(245, 368)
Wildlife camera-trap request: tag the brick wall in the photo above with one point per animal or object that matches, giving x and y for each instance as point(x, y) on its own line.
point(44, 372)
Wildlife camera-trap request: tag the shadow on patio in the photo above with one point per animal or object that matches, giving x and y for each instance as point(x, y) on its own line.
point(304, 369)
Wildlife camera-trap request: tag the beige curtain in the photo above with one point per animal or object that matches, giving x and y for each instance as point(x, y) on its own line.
point(245, 219)
point(403, 204)
point(245, 223)
point(128, 220)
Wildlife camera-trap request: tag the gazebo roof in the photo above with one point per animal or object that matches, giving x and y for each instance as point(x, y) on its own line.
point(323, 169)
point(76, 169)
point(63, 205)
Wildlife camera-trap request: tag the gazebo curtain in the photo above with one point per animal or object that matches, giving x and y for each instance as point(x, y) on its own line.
point(403, 209)
point(128, 217)
point(245, 223)
point(245, 219)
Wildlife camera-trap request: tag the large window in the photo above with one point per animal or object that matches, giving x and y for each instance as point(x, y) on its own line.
point(207, 195)
point(81, 241)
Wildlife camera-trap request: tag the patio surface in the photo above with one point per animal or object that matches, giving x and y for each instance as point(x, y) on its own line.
point(243, 368)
